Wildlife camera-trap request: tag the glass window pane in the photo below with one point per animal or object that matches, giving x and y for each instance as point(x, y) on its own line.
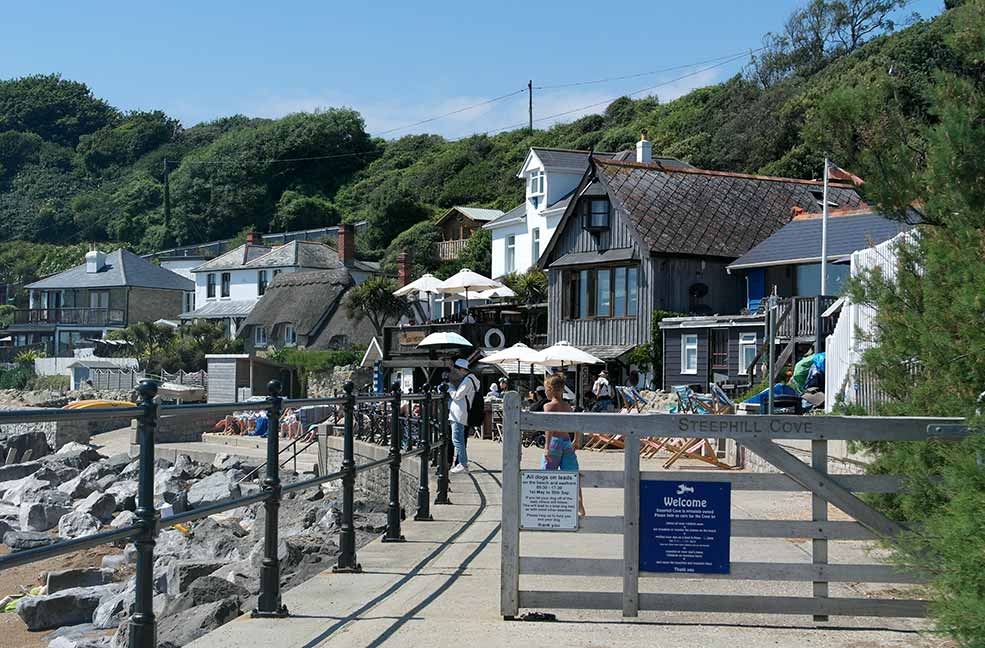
point(619, 293)
point(604, 298)
point(583, 299)
point(692, 359)
point(631, 307)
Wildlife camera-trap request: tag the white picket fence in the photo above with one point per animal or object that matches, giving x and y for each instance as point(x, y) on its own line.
point(853, 334)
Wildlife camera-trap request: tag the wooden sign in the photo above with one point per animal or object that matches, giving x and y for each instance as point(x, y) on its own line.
point(411, 338)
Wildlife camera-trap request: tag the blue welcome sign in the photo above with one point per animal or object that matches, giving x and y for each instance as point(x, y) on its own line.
point(685, 526)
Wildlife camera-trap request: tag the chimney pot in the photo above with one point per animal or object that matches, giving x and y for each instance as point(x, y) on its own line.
point(346, 244)
point(252, 238)
point(644, 150)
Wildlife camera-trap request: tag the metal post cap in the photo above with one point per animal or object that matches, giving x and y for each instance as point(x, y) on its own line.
point(349, 388)
point(147, 389)
point(395, 387)
point(274, 387)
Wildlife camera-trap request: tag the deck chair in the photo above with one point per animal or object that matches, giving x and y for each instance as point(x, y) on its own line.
point(696, 448)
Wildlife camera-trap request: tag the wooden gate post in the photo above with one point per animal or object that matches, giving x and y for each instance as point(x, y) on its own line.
point(819, 513)
point(509, 601)
point(631, 526)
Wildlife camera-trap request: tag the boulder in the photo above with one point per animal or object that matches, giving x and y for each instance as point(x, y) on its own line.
point(28, 489)
point(77, 524)
point(22, 540)
point(116, 463)
point(40, 516)
point(98, 470)
point(72, 578)
point(177, 630)
point(224, 461)
point(114, 561)
point(217, 487)
point(104, 482)
point(78, 455)
point(34, 440)
point(185, 468)
point(182, 573)
point(76, 641)
point(4, 528)
point(125, 493)
point(123, 519)
point(68, 607)
point(111, 609)
point(207, 589)
point(77, 488)
point(131, 470)
point(100, 505)
point(19, 470)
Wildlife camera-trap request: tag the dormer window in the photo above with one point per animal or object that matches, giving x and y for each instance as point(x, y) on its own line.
point(596, 214)
point(536, 183)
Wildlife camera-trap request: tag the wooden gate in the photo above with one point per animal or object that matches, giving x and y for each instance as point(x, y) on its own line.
point(757, 433)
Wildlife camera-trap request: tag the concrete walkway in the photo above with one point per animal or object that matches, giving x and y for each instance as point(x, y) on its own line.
point(441, 587)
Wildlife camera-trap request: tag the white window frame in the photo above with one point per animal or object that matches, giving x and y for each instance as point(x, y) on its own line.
point(290, 335)
point(511, 253)
point(685, 345)
point(534, 246)
point(259, 336)
point(746, 340)
point(537, 183)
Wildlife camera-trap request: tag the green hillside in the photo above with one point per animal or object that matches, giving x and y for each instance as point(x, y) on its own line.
point(74, 169)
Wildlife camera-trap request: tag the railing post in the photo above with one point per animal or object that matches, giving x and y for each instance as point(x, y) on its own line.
point(424, 440)
point(143, 626)
point(268, 602)
point(393, 509)
point(442, 422)
point(347, 531)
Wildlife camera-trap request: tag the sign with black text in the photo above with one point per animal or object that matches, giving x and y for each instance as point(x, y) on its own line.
point(548, 500)
point(685, 526)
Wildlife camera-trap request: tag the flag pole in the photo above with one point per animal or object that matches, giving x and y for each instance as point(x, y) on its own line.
point(824, 232)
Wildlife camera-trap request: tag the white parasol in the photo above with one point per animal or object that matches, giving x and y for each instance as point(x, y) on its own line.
point(464, 281)
point(563, 354)
point(444, 339)
point(493, 293)
point(428, 283)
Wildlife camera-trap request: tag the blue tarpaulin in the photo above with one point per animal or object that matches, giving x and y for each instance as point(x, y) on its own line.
point(779, 389)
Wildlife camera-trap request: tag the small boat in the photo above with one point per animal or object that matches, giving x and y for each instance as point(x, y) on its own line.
point(96, 404)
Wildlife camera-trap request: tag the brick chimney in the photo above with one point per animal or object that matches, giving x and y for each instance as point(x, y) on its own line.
point(252, 238)
point(347, 243)
point(403, 269)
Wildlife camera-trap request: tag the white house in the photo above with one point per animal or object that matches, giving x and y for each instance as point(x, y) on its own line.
point(229, 286)
point(550, 175)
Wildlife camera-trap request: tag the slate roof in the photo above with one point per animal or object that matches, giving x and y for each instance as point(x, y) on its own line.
point(677, 210)
point(480, 214)
point(122, 268)
point(799, 241)
point(235, 258)
point(300, 254)
point(304, 299)
point(517, 214)
point(221, 308)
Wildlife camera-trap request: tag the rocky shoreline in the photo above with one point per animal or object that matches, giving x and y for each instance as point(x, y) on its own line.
point(205, 573)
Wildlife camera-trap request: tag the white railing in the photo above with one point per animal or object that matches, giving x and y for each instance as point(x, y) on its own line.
point(854, 331)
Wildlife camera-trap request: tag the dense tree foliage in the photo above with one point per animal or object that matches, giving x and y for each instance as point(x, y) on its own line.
point(929, 352)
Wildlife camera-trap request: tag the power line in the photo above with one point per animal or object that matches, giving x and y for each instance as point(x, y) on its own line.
point(453, 112)
point(730, 57)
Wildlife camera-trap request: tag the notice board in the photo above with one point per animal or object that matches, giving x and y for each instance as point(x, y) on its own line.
point(685, 526)
point(548, 500)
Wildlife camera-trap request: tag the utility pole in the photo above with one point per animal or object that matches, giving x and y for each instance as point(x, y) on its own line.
point(167, 196)
point(530, 105)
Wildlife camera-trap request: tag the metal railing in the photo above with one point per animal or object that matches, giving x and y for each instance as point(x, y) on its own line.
point(433, 437)
point(77, 316)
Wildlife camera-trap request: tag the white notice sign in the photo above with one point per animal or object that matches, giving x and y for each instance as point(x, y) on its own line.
point(548, 500)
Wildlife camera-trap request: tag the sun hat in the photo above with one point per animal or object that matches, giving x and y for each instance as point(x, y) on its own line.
point(462, 363)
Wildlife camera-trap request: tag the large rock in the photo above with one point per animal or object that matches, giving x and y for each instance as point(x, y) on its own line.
point(40, 516)
point(99, 505)
point(104, 482)
point(77, 455)
point(25, 437)
point(72, 578)
point(125, 492)
point(112, 609)
point(215, 488)
point(185, 468)
point(28, 489)
point(23, 540)
point(117, 462)
point(75, 641)
point(177, 630)
point(224, 461)
point(207, 589)
point(68, 607)
point(77, 524)
point(78, 488)
point(19, 470)
point(124, 519)
point(182, 573)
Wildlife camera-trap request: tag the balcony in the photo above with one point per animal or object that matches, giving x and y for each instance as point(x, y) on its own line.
point(449, 250)
point(797, 317)
point(70, 316)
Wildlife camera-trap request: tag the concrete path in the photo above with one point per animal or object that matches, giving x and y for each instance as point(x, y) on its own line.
point(441, 587)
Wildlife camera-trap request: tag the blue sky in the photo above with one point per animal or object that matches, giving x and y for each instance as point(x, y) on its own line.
point(395, 62)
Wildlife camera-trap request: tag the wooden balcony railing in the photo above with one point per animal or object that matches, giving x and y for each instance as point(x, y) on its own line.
point(801, 321)
point(71, 316)
point(449, 250)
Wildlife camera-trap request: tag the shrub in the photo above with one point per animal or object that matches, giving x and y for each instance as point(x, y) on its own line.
point(16, 378)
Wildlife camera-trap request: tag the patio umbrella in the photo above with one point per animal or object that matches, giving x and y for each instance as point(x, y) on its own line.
point(563, 354)
point(444, 339)
point(518, 353)
point(493, 293)
point(428, 283)
point(464, 281)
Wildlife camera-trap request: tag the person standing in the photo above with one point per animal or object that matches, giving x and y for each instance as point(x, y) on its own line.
point(559, 451)
point(603, 392)
point(461, 397)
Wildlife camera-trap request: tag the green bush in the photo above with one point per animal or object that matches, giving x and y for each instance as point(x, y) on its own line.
point(16, 378)
point(49, 383)
point(308, 360)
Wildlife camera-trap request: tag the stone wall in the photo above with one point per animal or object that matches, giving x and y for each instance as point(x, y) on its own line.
point(325, 384)
point(377, 480)
point(177, 428)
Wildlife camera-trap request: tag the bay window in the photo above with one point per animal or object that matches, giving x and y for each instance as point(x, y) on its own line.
point(595, 293)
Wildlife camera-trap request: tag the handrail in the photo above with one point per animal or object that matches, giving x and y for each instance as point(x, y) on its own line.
point(433, 437)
